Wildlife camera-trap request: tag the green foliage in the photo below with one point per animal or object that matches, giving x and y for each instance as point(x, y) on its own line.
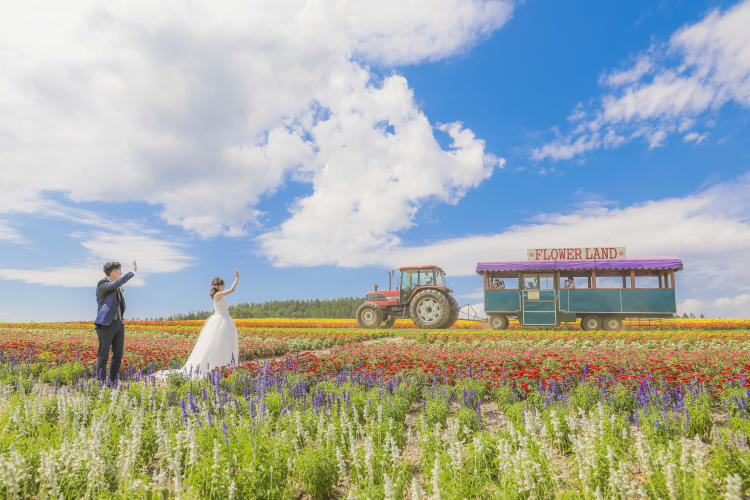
point(274, 403)
point(64, 374)
point(176, 380)
point(585, 396)
point(504, 396)
point(317, 472)
point(468, 419)
point(701, 416)
point(470, 384)
point(624, 401)
point(534, 400)
point(436, 411)
point(314, 308)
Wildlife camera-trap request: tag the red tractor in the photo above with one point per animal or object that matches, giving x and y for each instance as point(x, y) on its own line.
point(421, 296)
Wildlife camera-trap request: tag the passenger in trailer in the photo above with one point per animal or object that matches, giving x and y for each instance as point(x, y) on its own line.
point(533, 284)
point(570, 283)
point(498, 284)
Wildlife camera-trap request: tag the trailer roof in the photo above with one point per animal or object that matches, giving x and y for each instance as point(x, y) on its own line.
point(574, 265)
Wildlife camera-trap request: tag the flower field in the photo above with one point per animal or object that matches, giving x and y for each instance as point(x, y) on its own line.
point(321, 409)
point(193, 326)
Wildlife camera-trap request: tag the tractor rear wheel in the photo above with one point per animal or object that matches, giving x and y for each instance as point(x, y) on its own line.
point(454, 312)
point(369, 315)
point(388, 322)
point(430, 309)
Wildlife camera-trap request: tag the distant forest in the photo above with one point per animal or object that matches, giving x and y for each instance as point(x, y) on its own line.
point(317, 308)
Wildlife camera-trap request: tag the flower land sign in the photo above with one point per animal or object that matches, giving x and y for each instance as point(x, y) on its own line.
point(575, 253)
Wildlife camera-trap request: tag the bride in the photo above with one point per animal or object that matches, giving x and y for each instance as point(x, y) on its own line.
point(217, 343)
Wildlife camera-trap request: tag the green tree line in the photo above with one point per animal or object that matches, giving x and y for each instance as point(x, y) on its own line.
point(314, 308)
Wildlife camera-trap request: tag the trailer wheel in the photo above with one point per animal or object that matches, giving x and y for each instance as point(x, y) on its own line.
point(589, 323)
point(430, 309)
point(369, 315)
point(612, 323)
point(498, 322)
point(388, 322)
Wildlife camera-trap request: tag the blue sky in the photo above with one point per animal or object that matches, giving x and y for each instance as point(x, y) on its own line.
point(316, 147)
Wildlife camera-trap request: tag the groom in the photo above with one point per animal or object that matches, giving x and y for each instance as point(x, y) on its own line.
point(108, 323)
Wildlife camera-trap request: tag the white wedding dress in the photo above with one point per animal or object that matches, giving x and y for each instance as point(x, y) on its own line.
point(217, 345)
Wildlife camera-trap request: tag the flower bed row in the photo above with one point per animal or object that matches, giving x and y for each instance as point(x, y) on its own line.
point(147, 352)
point(530, 364)
point(402, 324)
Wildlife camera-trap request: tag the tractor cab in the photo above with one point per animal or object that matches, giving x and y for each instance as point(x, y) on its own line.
point(413, 278)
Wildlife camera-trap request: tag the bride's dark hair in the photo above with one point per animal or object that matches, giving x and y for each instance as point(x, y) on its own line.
point(215, 284)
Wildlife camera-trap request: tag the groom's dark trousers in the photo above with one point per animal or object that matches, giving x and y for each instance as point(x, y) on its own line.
point(112, 337)
point(109, 325)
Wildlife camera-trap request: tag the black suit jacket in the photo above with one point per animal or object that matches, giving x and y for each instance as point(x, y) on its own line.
point(109, 299)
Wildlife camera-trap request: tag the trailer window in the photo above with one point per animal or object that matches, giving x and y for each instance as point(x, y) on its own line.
point(538, 281)
point(502, 283)
point(578, 282)
point(609, 282)
point(648, 282)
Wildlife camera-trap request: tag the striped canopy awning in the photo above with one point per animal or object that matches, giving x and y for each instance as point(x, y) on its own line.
point(577, 265)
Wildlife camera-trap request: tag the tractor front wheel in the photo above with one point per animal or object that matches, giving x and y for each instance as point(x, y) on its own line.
point(369, 315)
point(430, 309)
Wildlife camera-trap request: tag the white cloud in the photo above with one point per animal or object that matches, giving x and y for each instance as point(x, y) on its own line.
point(702, 67)
point(740, 302)
point(69, 277)
point(10, 233)
point(619, 78)
point(202, 109)
point(694, 306)
point(363, 195)
point(695, 137)
point(153, 255)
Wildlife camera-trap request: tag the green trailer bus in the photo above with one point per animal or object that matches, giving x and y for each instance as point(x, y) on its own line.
point(599, 293)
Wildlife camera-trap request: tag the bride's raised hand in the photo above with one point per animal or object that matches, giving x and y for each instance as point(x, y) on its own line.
point(236, 274)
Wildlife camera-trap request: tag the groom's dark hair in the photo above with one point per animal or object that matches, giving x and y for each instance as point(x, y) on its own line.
point(111, 266)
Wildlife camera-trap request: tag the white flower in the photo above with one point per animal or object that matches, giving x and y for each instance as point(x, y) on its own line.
point(416, 491)
point(734, 487)
point(436, 479)
point(389, 492)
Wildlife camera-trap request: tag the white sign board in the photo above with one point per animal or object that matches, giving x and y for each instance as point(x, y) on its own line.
point(575, 253)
